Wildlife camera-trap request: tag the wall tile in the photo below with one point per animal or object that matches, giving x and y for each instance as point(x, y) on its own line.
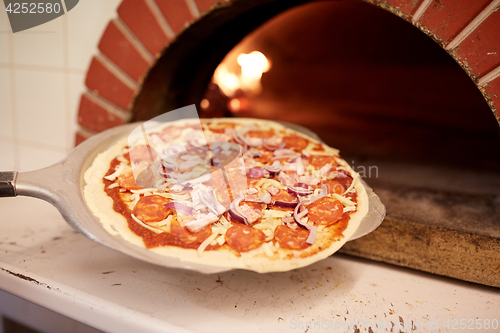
point(31, 158)
point(6, 130)
point(7, 156)
point(40, 46)
point(86, 23)
point(5, 31)
point(40, 104)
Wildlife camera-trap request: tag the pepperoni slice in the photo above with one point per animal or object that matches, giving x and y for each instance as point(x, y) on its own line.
point(325, 211)
point(337, 185)
point(319, 161)
point(152, 209)
point(142, 153)
point(293, 239)
point(187, 237)
point(295, 142)
point(127, 181)
point(244, 238)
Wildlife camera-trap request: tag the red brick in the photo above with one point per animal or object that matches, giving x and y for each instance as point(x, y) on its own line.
point(115, 45)
point(480, 51)
point(204, 5)
point(176, 12)
point(81, 136)
point(446, 18)
point(493, 89)
point(95, 117)
point(141, 21)
point(407, 7)
point(105, 84)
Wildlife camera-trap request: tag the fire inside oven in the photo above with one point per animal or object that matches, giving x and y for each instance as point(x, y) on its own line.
point(400, 109)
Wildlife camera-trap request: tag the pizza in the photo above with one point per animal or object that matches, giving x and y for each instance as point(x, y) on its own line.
point(235, 193)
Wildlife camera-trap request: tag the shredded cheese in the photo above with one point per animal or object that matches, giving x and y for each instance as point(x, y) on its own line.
point(207, 241)
point(145, 225)
point(118, 171)
point(345, 201)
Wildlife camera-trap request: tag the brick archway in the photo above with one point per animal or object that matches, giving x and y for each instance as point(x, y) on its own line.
point(143, 29)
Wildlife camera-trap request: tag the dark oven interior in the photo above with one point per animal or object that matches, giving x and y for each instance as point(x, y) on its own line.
point(400, 109)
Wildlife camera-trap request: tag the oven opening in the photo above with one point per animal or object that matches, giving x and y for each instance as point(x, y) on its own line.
point(400, 109)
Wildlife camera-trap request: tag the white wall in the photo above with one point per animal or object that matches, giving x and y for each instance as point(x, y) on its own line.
point(42, 74)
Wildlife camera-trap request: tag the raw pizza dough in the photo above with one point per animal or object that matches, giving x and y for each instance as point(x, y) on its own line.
point(337, 203)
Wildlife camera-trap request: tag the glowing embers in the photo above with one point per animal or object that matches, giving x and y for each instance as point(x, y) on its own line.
point(238, 78)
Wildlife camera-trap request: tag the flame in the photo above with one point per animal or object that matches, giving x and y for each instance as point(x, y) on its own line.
point(252, 65)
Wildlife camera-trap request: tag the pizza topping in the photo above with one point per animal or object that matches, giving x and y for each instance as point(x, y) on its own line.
point(295, 142)
point(312, 235)
point(187, 237)
point(179, 208)
point(244, 238)
point(296, 190)
point(277, 197)
point(142, 153)
point(298, 216)
point(127, 181)
point(155, 230)
point(272, 190)
point(201, 222)
point(319, 161)
point(119, 170)
point(236, 213)
point(249, 213)
point(325, 211)
point(152, 208)
point(274, 169)
point(309, 180)
point(257, 173)
point(293, 239)
point(285, 179)
point(284, 200)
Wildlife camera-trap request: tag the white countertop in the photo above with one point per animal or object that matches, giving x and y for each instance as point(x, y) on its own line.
point(44, 261)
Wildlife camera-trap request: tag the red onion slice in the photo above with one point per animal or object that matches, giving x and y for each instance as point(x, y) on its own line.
point(303, 185)
point(235, 211)
point(273, 169)
point(269, 145)
point(312, 235)
point(180, 208)
point(298, 216)
point(285, 204)
point(299, 191)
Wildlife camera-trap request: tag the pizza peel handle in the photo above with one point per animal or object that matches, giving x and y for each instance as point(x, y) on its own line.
point(62, 183)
